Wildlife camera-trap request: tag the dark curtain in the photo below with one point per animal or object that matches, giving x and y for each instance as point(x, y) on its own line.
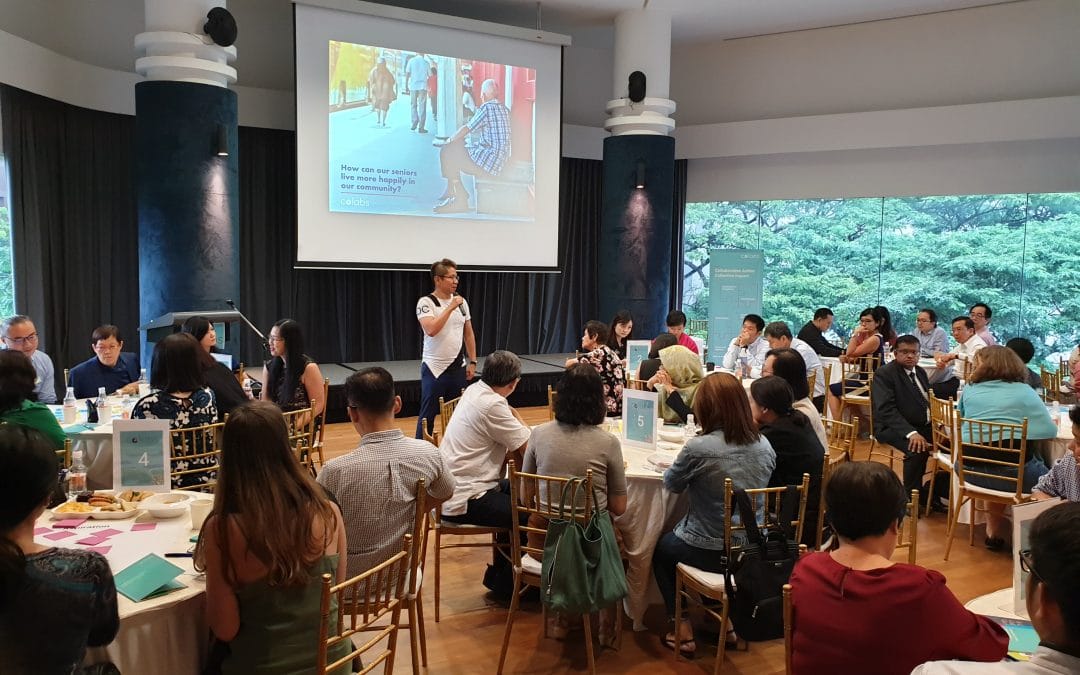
point(74, 223)
point(352, 315)
point(678, 229)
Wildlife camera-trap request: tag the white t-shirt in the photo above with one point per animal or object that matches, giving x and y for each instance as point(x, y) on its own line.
point(442, 349)
point(482, 430)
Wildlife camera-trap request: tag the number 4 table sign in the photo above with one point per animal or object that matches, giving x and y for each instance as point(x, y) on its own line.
point(141, 455)
point(639, 411)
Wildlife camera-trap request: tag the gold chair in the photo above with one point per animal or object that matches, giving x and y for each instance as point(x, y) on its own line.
point(413, 600)
point(788, 628)
point(826, 372)
point(320, 423)
point(1051, 385)
point(908, 536)
point(301, 428)
point(449, 528)
point(200, 446)
point(64, 456)
point(534, 494)
point(855, 380)
point(698, 327)
point(879, 448)
point(811, 382)
point(1000, 445)
point(942, 419)
point(429, 437)
point(446, 411)
point(841, 448)
point(66, 373)
point(365, 600)
point(691, 581)
point(553, 396)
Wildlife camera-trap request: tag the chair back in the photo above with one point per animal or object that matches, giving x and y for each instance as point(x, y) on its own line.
point(198, 448)
point(301, 426)
point(446, 411)
point(826, 372)
point(999, 446)
point(362, 602)
point(553, 397)
point(908, 534)
point(418, 550)
point(856, 375)
point(842, 436)
point(942, 421)
point(536, 494)
point(811, 382)
point(64, 456)
point(768, 501)
point(1051, 384)
point(788, 628)
point(698, 327)
point(841, 448)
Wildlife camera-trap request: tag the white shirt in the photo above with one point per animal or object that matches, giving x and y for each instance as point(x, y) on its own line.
point(813, 365)
point(482, 430)
point(987, 336)
point(441, 349)
point(418, 71)
point(1044, 661)
point(966, 350)
point(754, 353)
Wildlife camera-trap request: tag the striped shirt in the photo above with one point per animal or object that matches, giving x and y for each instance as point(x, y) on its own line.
point(375, 485)
point(492, 149)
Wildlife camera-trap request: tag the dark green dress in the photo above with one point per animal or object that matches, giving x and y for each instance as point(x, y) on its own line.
point(279, 627)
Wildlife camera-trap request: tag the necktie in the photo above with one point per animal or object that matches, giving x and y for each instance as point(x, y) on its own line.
point(915, 383)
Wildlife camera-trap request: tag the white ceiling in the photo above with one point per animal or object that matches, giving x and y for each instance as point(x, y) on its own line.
point(100, 32)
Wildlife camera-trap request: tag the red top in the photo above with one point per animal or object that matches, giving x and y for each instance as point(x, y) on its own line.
point(881, 621)
point(688, 342)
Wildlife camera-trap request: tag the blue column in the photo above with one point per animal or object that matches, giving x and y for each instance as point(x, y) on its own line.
point(635, 234)
point(187, 199)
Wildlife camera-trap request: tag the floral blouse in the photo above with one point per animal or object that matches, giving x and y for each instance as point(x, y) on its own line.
point(610, 366)
point(183, 413)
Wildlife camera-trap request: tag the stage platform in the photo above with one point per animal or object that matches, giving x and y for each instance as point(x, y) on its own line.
point(537, 372)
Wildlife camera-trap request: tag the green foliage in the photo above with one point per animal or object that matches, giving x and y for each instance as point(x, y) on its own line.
point(7, 274)
point(1013, 252)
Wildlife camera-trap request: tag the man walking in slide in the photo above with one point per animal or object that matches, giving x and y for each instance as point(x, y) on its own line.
point(417, 72)
point(448, 338)
point(487, 155)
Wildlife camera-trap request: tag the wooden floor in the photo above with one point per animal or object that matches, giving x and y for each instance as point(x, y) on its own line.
point(467, 639)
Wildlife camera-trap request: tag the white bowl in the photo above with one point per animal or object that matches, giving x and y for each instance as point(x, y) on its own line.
point(167, 504)
point(674, 436)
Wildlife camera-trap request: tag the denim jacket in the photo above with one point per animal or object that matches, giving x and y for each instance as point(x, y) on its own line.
point(701, 468)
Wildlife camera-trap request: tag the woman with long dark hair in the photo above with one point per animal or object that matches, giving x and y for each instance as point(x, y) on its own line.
point(730, 446)
point(792, 438)
point(270, 537)
point(291, 379)
point(227, 391)
point(622, 329)
point(54, 602)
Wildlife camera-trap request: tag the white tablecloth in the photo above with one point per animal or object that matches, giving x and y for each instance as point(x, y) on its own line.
point(95, 442)
point(166, 634)
point(998, 603)
point(650, 512)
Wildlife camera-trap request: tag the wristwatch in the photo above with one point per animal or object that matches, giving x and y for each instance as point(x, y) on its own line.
point(472, 362)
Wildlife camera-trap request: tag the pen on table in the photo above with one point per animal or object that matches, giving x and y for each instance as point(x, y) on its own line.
point(187, 554)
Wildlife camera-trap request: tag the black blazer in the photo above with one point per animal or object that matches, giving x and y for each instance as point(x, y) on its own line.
point(899, 407)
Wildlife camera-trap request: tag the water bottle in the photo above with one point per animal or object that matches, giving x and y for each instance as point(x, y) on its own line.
point(76, 475)
point(744, 367)
point(144, 384)
point(690, 428)
point(103, 412)
point(1055, 412)
point(71, 410)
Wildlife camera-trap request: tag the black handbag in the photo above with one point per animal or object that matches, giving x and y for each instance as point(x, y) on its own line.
point(756, 574)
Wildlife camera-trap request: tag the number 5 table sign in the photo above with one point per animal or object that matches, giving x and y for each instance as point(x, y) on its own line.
point(639, 418)
point(141, 455)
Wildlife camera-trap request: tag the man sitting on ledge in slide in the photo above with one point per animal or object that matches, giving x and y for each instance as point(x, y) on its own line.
point(488, 154)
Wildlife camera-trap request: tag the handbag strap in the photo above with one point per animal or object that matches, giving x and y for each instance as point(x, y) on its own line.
point(571, 487)
point(747, 515)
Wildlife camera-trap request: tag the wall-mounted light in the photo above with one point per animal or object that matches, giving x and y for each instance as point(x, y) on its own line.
point(640, 183)
point(222, 141)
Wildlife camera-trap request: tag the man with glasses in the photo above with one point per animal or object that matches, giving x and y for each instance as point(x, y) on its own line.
point(900, 390)
point(932, 340)
point(980, 315)
point(20, 334)
point(448, 343)
point(110, 367)
point(1052, 593)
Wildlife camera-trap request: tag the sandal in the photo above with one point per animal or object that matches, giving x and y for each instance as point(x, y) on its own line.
point(687, 648)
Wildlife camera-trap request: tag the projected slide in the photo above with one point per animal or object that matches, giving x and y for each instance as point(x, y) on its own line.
point(420, 134)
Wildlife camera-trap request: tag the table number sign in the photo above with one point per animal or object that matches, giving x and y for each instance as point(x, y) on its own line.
point(639, 418)
point(141, 455)
point(636, 352)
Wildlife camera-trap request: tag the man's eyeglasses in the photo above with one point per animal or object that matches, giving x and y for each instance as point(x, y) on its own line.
point(29, 339)
point(981, 315)
point(451, 277)
point(1027, 564)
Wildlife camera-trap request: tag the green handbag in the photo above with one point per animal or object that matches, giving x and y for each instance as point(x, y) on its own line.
point(582, 571)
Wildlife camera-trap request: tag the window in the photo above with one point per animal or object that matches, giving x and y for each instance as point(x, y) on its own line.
point(7, 273)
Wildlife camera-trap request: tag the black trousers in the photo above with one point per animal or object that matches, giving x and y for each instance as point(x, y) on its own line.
point(914, 462)
point(493, 509)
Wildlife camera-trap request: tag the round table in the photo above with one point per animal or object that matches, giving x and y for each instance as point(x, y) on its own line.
point(166, 634)
point(998, 603)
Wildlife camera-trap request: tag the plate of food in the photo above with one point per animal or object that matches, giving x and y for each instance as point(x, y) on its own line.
point(97, 505)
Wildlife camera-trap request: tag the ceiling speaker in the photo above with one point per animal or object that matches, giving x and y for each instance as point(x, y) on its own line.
point(220, 26)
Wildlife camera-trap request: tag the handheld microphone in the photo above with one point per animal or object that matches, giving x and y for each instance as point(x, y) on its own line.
point(461, 306)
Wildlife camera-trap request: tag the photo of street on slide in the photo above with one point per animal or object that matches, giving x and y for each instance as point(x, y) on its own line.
point(415, 134)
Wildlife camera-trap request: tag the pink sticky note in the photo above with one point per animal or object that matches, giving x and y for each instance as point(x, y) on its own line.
point(142, 527)
point(41, 530)
point(103, 550)
point(69, 523)
point(56, 536)
point(105, 534)
point(90, 541)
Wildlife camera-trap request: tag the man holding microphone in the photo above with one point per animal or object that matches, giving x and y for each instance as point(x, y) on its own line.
point(449, 358)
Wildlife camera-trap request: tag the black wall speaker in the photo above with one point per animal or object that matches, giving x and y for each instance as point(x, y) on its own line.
point(636, 86)
point(220, 26)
